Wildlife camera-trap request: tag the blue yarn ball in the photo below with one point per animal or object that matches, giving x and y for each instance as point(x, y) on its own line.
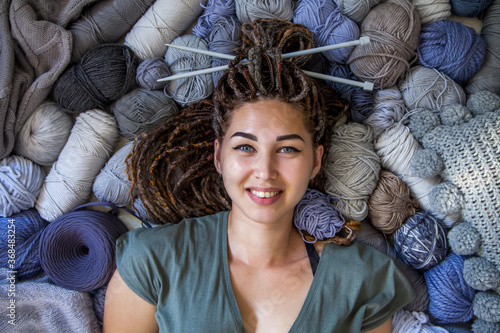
point(312, 13)
point(450, 297)
point(469, 8)
point(19, 239)
point(213, 11)
point(452, 48)
point(421, 241)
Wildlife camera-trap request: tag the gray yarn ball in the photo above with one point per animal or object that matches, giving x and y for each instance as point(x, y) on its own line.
point(250, 10)
point(141, 110)
point(483, 326)
point(486, 306)
point(150, 71)
point(426, 163)
point(454, 114)
point(464, 239)
point(483, 101)
point(481, 274)
point(112, 184)
point(447, 198)
point(44, 134)
point(422, 122)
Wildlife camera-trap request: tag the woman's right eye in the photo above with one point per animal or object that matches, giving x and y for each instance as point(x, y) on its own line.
point(245, 148)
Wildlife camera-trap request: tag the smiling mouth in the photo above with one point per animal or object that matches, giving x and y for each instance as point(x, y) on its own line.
point(261, 194)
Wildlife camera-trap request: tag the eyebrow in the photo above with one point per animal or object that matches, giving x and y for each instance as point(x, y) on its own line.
point(279, 138)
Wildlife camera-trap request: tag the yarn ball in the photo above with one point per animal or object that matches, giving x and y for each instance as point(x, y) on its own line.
point(77, 250)
point(483, 326)
point(44, 134)
point(388, 109)
point(150, 71)
point(19, 239)
point(142, 212)
point(486, 306)
point(390, 204)
point(192, 89)
point(313, 13)
point(356, 10)
point(432, 10)
point(224, 37)
point(405, 321)
point(481, 274)
point(212, 12)
point(112, 183)
point(250, 10)
point(454, 114)
point(450, 297)
point(429, 89)
point(469, 8)
point(99, 299)
point(352, 169)
point(393, 28)
point(483, 101)
point(422, 121)
point(421, 241)
point(464, 239)
point(69, 182)
point(141, 110)
point(452, 48)
point(426, 163)
point(315, 215)
point(20, 183)
point(103, 74)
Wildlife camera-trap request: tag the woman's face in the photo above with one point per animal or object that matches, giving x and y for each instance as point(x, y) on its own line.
point(266, 159)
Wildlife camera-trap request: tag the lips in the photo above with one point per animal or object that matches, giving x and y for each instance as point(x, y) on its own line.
point(264, 197)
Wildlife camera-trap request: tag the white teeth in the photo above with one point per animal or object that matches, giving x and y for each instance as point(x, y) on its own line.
point(264, 194)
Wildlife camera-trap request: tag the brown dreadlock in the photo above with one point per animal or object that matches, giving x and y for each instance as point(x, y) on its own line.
point(172, 166)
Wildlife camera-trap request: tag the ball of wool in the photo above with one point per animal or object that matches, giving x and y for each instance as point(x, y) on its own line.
point(390, 204)
point(356, 10)
point(28, 226)
point(447, 198)
point(315, 215)
point(432, 10)
point(44, 134)
point(20, 183)
point(312, 13)
point(352, 169)
point(193, 89)
point(421, 241)
point(69, 182)
point(77, 250)
point(405, 321)
point(388, 109)
point(250, 10)
point(454, 114)
point(422, 121)
point(486, 306)
point(103, 74)
point(482, 102)
point(112, 183)
point(224, 37)
point(483, 326)
point(450, 297)
point(429, 89)
point(452, 48)
point(142, 212)
point(464, 239)
point(393, 28)
point(481, 274)
point(150, 71)
point(141, 110)
point(213, 11)
point(99, 300)
point(469, 8)
point(426, 163)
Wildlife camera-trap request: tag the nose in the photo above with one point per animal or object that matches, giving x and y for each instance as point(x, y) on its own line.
point(265, 167)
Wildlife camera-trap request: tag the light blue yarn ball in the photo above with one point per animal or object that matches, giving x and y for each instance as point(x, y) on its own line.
point(213, 11)
point(20, 182)
point(486, 306)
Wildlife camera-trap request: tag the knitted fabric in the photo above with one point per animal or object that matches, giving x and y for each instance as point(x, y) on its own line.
point(41, 306)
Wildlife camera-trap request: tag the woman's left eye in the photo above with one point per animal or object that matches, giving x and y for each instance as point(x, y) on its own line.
point(288, 150)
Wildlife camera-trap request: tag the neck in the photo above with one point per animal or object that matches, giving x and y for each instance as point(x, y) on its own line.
point(263, 245)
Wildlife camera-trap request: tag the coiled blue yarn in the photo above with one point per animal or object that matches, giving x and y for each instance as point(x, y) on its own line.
point(213, 11)
point(27, 227)
point(452, 48)
point(328, 25)
point(224, 37)
point(421, 241)
point(20, 182)
point(450, 298)
point(77, 250)
point(469, 8)
point(149, 71)
point(360, 100)
point(315, 215)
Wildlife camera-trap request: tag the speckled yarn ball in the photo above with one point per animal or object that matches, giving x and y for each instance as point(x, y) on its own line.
point(150, 71)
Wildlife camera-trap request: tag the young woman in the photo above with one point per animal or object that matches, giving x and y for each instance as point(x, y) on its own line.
point(248, 269)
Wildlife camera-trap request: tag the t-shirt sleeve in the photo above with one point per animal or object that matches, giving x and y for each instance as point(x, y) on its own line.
point(390, 293)
point(136, 264)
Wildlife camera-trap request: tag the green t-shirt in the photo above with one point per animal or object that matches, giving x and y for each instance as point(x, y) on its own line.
point(183, 270)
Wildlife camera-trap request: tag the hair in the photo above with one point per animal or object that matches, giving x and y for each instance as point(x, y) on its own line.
point(172, 166)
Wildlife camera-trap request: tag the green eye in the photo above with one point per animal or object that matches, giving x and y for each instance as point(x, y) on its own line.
point(288, 150)
point(244, 148)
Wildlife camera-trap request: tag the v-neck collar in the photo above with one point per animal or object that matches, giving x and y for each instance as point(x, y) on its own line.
point(297, 324)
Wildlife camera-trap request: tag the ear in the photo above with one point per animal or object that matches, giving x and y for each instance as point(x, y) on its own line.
point(318, 154)
point(217, 147)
